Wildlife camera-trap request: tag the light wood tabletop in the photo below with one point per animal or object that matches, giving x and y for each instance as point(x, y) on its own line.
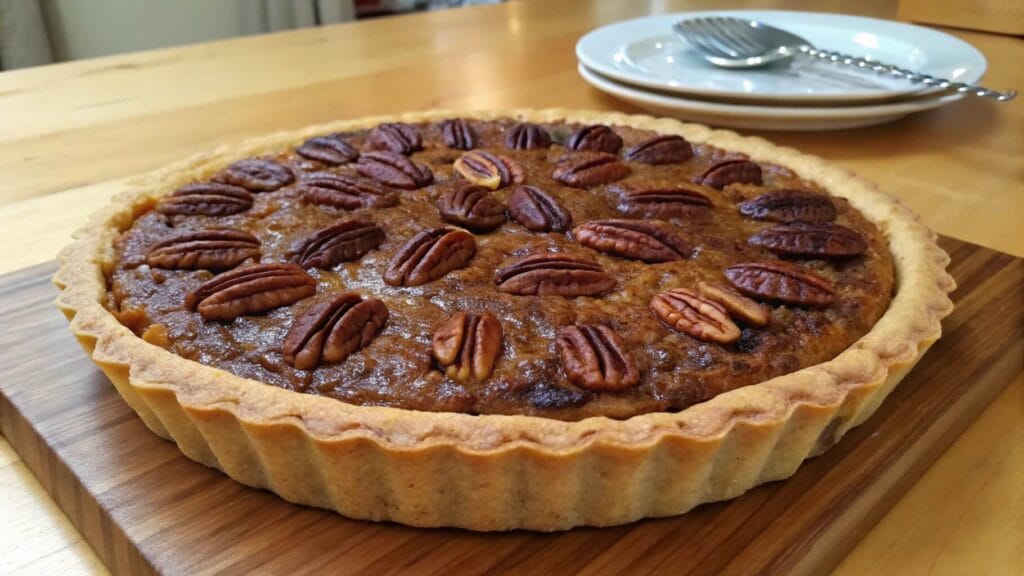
point(70, 132)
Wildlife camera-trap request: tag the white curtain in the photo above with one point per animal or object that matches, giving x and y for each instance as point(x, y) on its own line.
point(34, 32)
point(287, 14)
point(23, 38)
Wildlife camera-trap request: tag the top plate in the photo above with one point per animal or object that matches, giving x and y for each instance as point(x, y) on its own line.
point(646, 53)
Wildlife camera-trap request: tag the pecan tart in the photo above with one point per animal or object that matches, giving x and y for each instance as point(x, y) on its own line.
point(520, 319)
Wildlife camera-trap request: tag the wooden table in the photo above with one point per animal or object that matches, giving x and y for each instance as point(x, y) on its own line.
point(68, 128)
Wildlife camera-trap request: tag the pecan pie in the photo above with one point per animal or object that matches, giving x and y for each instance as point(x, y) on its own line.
point(528, 319)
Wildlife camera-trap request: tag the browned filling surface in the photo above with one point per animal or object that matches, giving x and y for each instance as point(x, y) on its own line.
point(530, 372)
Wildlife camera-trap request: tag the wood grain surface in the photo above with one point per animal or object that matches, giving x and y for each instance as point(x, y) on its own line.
point(1000, 16)
point(145, 508)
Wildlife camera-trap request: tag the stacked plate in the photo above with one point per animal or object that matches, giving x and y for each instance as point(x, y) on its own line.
point(642, 62)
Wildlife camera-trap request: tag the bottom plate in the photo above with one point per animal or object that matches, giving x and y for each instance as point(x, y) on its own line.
point(763, 117)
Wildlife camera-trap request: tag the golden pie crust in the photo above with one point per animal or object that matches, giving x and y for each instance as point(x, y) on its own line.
point(496, 472)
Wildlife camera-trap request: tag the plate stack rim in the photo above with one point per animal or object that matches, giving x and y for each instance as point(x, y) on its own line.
point(641, 62)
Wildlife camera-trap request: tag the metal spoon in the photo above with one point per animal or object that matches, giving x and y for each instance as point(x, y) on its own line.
point(738, 43)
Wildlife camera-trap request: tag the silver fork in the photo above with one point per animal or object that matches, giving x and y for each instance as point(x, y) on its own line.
point(738, 43)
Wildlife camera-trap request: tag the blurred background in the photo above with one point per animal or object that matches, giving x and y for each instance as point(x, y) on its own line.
point(36, 32)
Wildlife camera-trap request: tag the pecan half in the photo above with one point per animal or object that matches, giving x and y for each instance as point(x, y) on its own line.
point(637, 239)
point(738, 305)
point(330, 331)
point(395, 137)
point(731, 172)
point(554, 274)
point(789, 205)
point(204, 250)
point(537, 210)
point(595, 358)
point(458, 134)
point(471, 207)
point(781, 282)
point(345, 191)
point(256, 175)
point(467, 345)
point(586, 169)
point(429, 256)
point(830, 240)
point(341, 242)
point(596, 138)
point(206, 199)
point(250, 289)
point(394, 170)
point(526, 136)
point(331, 149)
point(661, 201)
point(689, 313)
point(489, 170)
point(666, 149)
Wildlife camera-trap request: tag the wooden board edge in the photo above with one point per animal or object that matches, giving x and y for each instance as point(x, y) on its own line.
point(96, 524)
point(839, 537)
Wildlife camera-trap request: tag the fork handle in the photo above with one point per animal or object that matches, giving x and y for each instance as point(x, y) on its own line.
point(864, 63)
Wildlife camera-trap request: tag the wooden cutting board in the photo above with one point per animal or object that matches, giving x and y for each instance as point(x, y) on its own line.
point(146, 508)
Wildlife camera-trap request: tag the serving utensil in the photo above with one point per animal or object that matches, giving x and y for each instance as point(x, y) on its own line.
point(739, 43)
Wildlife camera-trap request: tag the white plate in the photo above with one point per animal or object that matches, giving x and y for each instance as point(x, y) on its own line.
point(644, 52)
point(764, 117)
